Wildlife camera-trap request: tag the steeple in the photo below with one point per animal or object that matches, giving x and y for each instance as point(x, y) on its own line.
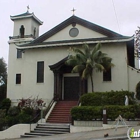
point(26, 25)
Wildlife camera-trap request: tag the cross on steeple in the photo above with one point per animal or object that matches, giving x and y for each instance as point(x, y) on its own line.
point(28, 8)
point(73, 10)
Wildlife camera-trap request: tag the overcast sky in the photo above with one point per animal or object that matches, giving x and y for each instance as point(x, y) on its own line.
point(122, 16)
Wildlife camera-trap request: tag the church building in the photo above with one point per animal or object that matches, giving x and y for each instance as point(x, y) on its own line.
point(37, 66)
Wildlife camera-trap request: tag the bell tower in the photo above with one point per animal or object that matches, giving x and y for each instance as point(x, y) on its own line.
point(26, 25)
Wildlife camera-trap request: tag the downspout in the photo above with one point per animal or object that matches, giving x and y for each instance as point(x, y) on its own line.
point(127, 67)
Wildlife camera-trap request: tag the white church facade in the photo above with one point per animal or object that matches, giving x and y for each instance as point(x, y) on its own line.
point(37, 66)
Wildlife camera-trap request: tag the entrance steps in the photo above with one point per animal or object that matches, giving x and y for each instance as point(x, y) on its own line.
point(61, 112)
point(48, 129)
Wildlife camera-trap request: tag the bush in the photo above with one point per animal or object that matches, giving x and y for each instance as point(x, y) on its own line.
point(13, 111)
point(2, 118)
point(5, 104)
point(113, 111)
point(11, 120)
point(138, 90)
point(106, 98)
point(24, 118)
point(28, 110)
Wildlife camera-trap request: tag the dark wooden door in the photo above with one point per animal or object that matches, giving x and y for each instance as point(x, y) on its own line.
point(71, 88)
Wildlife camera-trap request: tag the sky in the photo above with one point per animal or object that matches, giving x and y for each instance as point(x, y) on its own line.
point(121, 16)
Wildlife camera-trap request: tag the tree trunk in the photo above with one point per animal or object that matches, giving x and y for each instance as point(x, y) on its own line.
point(91, 78)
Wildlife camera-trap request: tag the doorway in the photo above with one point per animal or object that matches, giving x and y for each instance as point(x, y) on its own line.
point(71, 88)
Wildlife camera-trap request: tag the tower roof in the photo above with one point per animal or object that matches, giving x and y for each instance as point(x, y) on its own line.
point(26, 15)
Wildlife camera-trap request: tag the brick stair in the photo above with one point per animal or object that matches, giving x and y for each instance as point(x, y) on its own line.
point(61, 112)
point(48, 129)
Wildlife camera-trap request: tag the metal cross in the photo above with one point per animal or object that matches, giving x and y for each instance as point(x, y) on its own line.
point(28, 8)
point(73, 10)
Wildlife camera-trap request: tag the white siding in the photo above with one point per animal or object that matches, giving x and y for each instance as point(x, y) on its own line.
point(27, 66)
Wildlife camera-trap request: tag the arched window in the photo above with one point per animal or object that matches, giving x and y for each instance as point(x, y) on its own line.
point(34, 31)
point(22, 30)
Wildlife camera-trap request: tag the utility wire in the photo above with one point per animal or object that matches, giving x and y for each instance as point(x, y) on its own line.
point(116, 16)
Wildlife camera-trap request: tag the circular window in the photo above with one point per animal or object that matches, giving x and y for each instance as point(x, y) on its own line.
point(74, 32)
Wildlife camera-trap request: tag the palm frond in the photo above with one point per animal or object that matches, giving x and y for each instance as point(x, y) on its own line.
point(99, 67)
point(78, 68)
point(86, 72)
point(96, 48)
point(76, 50)
point(86, 50)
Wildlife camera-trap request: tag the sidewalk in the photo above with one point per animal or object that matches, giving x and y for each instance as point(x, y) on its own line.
point(119, 134)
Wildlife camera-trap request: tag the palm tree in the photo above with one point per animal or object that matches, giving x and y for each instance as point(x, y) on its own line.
point(86, 60)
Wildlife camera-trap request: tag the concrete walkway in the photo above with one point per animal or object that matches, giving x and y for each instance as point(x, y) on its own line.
point(119, 134)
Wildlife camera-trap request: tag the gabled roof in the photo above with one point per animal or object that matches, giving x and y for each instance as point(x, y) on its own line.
point(26, 15)
point(77, 20)
point(58, 65)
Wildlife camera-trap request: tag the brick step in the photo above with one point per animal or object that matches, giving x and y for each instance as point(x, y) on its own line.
point(61, 112)
point(62, 115)
point(54, 121)
point(63, 109)
point(66, 104)
point(60, 118)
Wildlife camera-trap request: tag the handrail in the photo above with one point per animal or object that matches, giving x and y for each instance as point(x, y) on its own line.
point(34, 117)
point(78, 102)
point(49, 106)
point(47, 110)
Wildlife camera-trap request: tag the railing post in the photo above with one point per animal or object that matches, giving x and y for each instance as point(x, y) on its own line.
point(104, 116)
point(72, 121)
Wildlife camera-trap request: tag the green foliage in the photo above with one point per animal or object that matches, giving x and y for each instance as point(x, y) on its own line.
point(28, 110)
point(24, 118)
point(106, 98)
point(3, 71)
point(113, 111)
point(5, 104)
point(84, 61)
point(11, 120)
point(86, 113)
point(19, 114)
point(2, 118)
point(138, 90)
point(13, 111)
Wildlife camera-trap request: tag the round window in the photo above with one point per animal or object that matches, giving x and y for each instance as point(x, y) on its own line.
point(73, 32)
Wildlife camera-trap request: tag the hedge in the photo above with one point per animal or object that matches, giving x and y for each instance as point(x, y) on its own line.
point(106, 98)
point(113, 111)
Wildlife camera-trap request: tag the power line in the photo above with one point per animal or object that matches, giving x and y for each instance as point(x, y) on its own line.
point(116, 16)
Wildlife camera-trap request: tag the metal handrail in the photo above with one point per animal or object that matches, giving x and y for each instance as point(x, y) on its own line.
point(49, 106)
point(47, 110)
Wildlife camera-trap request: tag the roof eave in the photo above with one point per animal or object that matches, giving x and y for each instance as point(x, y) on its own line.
point(74, 43)
point(26, 16)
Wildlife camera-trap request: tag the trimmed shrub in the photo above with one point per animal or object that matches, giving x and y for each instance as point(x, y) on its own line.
point(113, 111)
point(106, 98)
